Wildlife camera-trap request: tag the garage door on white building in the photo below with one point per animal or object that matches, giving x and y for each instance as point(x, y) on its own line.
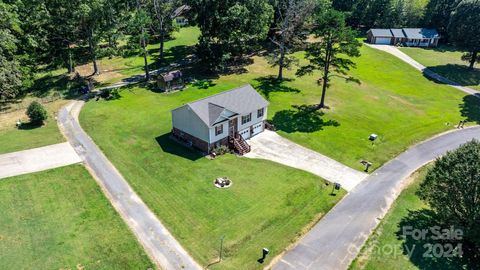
point(380, 40)
point(257, 129)
point(245, 133)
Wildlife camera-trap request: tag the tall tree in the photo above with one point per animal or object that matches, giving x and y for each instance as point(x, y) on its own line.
point(10, 73)
point(452, 189)
point(163, 10)
point(333, 42)
point(464, 30)
point(91, 22)
point(288, 31)
point(229, 28)
point(139, 23)
point(438, 14)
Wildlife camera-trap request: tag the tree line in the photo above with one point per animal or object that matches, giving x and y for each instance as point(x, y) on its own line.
point(59, 33)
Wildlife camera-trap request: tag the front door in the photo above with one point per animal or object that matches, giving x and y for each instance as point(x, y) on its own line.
point(232, 126)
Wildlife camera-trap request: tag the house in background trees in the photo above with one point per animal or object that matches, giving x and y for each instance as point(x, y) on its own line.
point(411, 37)
point(228, 118)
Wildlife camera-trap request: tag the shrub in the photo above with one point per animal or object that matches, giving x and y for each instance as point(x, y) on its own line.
point(221, 150)
point(37, 113)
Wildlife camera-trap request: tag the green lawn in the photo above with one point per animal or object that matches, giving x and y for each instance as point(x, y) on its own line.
point(269, 205)
point(387, 248)
point(60, 219)
point(393, 100)
point(13, 139)
point(447, 62)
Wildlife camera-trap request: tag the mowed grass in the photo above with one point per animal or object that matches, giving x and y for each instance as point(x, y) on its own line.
point(388, 249)
point(393, 100)
point(269, 205)
point(447, 62)
point(59, 219)
point(29, 136)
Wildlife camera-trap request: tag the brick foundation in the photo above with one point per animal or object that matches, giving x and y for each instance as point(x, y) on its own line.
point(192, 140)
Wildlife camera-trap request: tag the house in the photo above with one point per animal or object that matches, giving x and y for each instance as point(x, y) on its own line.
point(172, 80)
point(228, 118)
point(179, 15)
point(411, 37)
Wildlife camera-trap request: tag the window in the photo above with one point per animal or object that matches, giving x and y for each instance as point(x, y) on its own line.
point(218, 130)
point(246, 118)
point(260, 112)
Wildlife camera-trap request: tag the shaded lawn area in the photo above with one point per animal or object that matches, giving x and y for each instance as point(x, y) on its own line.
point(60, 219)
point(268, 205)
point(447, 62)
point(388, 249)
point(15, 139)
point(57, 81)
point(117, 68)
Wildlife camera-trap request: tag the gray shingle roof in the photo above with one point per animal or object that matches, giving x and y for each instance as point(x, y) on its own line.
point(412, 33)
point(398, 33)
point(381, 32)
point(241, 100)
point(420, 33)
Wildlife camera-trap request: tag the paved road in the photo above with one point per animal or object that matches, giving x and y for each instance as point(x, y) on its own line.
point(336, 240)
point(269, 145)
point(396, 52)
point(155, 238)
point(37, 159)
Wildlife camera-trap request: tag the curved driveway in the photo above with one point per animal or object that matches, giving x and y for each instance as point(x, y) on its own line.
point(336, 240)
point(162, 247)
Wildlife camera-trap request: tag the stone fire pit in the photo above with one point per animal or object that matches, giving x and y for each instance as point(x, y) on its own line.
point(222, 182)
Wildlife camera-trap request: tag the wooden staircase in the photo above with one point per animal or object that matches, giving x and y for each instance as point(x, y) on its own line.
point(239, 144)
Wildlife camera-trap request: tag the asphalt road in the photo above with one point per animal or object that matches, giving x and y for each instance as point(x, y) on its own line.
point(336, 240)
point(162, 247)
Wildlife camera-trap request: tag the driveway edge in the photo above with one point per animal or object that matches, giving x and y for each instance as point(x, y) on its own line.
point(164, 250)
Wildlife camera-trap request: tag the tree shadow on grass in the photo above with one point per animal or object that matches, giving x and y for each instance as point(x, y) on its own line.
point(459, 74)
point(30, 126)
point(270, 84)
point(170, 146)
point(417, 248)
point(303, 118)
point(62, 84)
point(470, 108)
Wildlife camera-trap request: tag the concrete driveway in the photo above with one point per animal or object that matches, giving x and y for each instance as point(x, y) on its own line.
point(37, 159)
point(269, 145)
point(407, 59)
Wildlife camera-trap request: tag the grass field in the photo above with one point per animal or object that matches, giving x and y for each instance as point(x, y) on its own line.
point(14, 139)
point(447, 62)
point(60, 219)
point(387, 249)
point(269, 205)
point(393, 100)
